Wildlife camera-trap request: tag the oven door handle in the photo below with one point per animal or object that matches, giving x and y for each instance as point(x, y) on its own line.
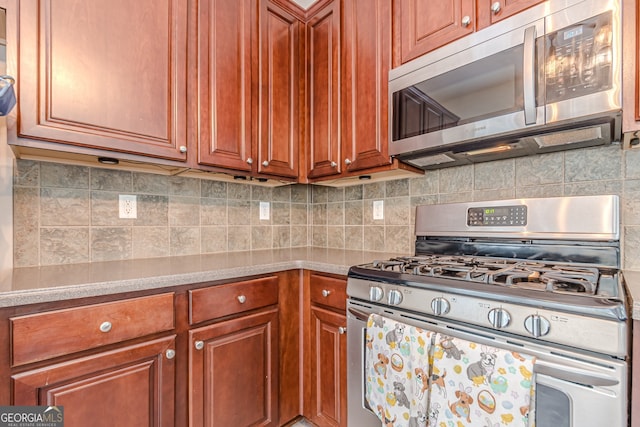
point(358, 314)
point(574, 375)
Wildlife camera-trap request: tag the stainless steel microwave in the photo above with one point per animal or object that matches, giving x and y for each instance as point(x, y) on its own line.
point(546, 79)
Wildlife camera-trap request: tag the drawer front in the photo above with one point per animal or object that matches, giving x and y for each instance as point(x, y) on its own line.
point(224, 300)
point(329, 291)
point(42, 336)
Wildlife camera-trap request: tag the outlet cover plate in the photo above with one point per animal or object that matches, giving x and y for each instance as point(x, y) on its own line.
point(264, 211)
point(378, 209)
point(127, 205)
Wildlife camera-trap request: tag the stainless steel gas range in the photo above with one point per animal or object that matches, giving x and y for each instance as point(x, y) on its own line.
point(539, 277)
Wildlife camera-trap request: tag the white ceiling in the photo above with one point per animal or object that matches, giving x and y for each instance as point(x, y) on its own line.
point(305, 3)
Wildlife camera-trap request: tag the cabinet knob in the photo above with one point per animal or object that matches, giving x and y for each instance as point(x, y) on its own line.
point(249, 161)
point(170, 354)
point(342, 330)
point(183, 148)
point(105, 327)
point(347, 161)
point(242, 299)
point(466, 20)
point(325, 293)
point(199, 345)
point(265, 163)
point(495, 7)
point(334, 164)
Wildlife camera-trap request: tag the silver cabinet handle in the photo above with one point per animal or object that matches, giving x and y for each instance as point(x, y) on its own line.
point(529, 76)
point(495, 7)
point(199, 345)
point(347, 161)
point(325, 293)
point(334, 164)
point(265, 163)
point(249, 161)
point(183, 149)
point(242, 299)
point(170, 354)
point(342, 330)
point(105, 327)
point(466, 20)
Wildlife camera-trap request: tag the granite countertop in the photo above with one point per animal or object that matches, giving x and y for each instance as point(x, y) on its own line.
point(31, 285)
point(632, 280)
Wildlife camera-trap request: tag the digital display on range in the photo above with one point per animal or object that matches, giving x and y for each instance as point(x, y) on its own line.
point(510, 216)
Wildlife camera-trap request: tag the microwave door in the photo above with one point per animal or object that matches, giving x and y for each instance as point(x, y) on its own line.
point(483, 91)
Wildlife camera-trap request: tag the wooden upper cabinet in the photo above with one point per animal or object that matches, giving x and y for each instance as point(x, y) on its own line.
point(107, 75)
point(226, 39)
point(492, 11)
point(366, 60)
point(278, 131)
point(425, 25)
point(323, 92)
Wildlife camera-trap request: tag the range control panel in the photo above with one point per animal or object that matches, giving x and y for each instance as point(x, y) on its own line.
point(497, 216)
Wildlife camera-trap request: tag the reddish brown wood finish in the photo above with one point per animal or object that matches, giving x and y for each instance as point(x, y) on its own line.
point(366, 60)
point(226, 37)
point(45, 335)
point(130, 386)
point(323, 92)
point(224, 300)
point(234, 378)
point(428, 24)
point(277, 133)
point(507, 8)
point(109, 76)
point(325, 350)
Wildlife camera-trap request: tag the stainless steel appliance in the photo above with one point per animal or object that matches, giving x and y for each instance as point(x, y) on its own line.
point(536, 276)
point(546, 79)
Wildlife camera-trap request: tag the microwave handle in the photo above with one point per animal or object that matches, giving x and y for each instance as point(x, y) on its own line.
point(528, 76)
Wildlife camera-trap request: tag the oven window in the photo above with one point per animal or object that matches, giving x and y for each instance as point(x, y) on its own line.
point(553, 408)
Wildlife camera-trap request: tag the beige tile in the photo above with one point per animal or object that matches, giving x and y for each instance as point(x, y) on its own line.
point(335, 213)
point(335, 237)
point(184, 240)
point(456, 180)
point(26, 173)
point(281, 213)
point(353, 237)
point(64, 245)
point(110, 243)
point(147, 183)
point(150, 242)
point(261, 237)
point(593, 164)
point(153, 210)
point(239, 212)
point(213, 212)
point(239, 238)
point(111, 180)
point(63, 176)
point(64, 206)
point(299, 214)
point(373, 238)
point(184, 211)
point(105, 209)
point(281, 237)
point(353, 212)
point(214, 189)
point(185, 187)
point(319, 236)
point(214, 239)
point(299, 236)
point(500, 174)
point(544, 169)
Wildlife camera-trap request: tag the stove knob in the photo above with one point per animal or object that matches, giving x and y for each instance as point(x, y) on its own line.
point(395, 297)
point(537, 325)
point(440, 306)
point(375, 293)
point(499, 318)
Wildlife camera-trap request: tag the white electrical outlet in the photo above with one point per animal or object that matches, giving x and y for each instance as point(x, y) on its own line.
point(264, 210)
point(378, 209)
point(128, 206)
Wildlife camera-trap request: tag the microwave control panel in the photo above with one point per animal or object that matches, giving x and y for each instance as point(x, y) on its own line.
point(492, 216)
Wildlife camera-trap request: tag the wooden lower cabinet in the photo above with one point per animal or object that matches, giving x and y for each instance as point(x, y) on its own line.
point(233, 372)
point(129, 386)
point(328, 368)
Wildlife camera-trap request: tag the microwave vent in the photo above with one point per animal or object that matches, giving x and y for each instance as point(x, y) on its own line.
point(437, 159)
point(581, 135)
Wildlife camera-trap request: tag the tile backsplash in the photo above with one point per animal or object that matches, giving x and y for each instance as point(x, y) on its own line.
point(69, 214)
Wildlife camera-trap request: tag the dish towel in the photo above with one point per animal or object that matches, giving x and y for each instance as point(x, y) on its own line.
point(475, 385)
point(397, 366)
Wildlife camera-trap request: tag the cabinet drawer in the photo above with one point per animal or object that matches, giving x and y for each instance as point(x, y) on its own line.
point(224, 300)
point(45, 335)
point(329, 291)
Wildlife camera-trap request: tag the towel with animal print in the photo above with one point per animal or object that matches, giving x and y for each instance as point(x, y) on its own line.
point(397, 367)
point(480, 386)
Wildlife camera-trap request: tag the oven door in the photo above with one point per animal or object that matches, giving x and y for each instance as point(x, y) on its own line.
point(573, 389)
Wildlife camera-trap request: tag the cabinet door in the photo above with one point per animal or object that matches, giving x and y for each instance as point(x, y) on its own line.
point(278, 134)
point(107, 75)
point(492, 11)
point(130, 386)
point(366, 60)
point(323, 91)
point(226, 38)
point(328, 368)
point(428, 24)
point(233, 372)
